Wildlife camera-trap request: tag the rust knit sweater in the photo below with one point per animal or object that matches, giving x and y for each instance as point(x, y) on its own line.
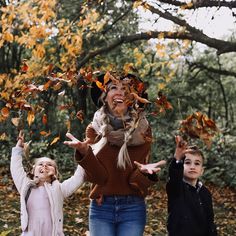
point(107, 179)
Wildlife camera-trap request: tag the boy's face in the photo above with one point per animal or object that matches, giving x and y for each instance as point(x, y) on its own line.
point(193, 167)
point(44, 169)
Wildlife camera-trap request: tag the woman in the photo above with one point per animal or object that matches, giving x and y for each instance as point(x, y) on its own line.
point(115, 156)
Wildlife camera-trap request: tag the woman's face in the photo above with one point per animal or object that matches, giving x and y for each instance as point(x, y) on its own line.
point(116, 99)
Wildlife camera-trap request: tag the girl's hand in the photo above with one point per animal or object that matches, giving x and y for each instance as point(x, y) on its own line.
point(181, 147)
point(82, 147)
point(150, 168)
point(20, 138)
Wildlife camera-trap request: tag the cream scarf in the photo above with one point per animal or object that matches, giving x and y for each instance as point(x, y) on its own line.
point(131, 135)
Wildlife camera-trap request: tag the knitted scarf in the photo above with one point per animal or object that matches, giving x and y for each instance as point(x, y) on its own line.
point(125, 132)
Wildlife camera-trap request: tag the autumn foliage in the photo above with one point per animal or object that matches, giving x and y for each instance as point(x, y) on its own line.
point(199, 126)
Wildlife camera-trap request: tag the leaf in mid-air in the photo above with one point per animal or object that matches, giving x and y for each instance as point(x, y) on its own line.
point(55, 140)
point(198, 125)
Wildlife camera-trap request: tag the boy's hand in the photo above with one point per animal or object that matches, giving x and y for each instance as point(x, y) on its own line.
point(82, 147)
point(181, 147)
point(150, 168)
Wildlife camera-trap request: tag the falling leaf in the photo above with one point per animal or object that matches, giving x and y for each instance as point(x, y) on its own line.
point(162, 104)
point(55, 140)
point(30, 117)
point(5, 112)
point(80, 116)
point(100, 85)
point(3, 137)
point(198, 125)
point(140, 99)
point(45, 119)
point(45, 133)
point(24, 67)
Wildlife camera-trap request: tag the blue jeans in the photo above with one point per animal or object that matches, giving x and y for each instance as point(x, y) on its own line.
point(117, 216)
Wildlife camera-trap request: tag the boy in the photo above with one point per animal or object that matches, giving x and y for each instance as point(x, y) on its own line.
point(190, 211)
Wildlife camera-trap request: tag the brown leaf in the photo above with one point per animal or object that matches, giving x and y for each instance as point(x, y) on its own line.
point(198, 125)
point(140, 99)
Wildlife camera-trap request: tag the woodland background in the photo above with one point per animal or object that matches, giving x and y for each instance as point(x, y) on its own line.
point(49, 53)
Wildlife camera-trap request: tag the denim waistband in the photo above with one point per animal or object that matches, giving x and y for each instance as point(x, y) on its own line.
point(122, 199)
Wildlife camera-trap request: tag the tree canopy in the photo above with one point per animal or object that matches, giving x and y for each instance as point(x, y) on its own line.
point(50, 51)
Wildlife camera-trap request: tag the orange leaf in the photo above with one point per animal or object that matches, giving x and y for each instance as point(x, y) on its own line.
point(45, 133)
point(5, 112)
point(47, 85)
point(100, 85)
point(24, 67)
point(30, 117)
point(55, 140)
point(199, 126)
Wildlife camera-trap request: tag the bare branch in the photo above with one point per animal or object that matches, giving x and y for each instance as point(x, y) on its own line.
point(201, 66)
point(220, 45)
point(200, 3)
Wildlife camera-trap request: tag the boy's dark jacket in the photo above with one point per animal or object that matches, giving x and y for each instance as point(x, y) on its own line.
point(190, 211)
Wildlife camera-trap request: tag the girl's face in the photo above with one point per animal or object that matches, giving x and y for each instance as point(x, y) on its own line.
point(116, 97)
point(193, 168)
point(44, 170)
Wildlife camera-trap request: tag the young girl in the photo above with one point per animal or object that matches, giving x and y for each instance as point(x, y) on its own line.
point(115, 157)
point(42, 196)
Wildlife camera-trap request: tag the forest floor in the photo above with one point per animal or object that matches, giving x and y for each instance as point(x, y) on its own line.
point(76, 210)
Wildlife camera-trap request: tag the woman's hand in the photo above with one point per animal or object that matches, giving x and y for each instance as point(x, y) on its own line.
point(150, 168)
point(82, 147)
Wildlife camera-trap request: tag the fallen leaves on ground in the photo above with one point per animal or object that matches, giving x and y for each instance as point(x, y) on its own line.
point(76, 210)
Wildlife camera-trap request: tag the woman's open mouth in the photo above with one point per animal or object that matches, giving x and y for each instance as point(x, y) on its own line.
point(118, 100)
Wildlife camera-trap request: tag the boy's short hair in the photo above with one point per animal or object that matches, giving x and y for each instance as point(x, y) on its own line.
point(196, 151)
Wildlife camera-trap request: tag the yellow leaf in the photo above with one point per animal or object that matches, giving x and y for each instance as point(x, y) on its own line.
point(161, 86)
point(55, 140)
point(30, 117)
point(3, 137)
point(39, 51)
point(8, 37)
